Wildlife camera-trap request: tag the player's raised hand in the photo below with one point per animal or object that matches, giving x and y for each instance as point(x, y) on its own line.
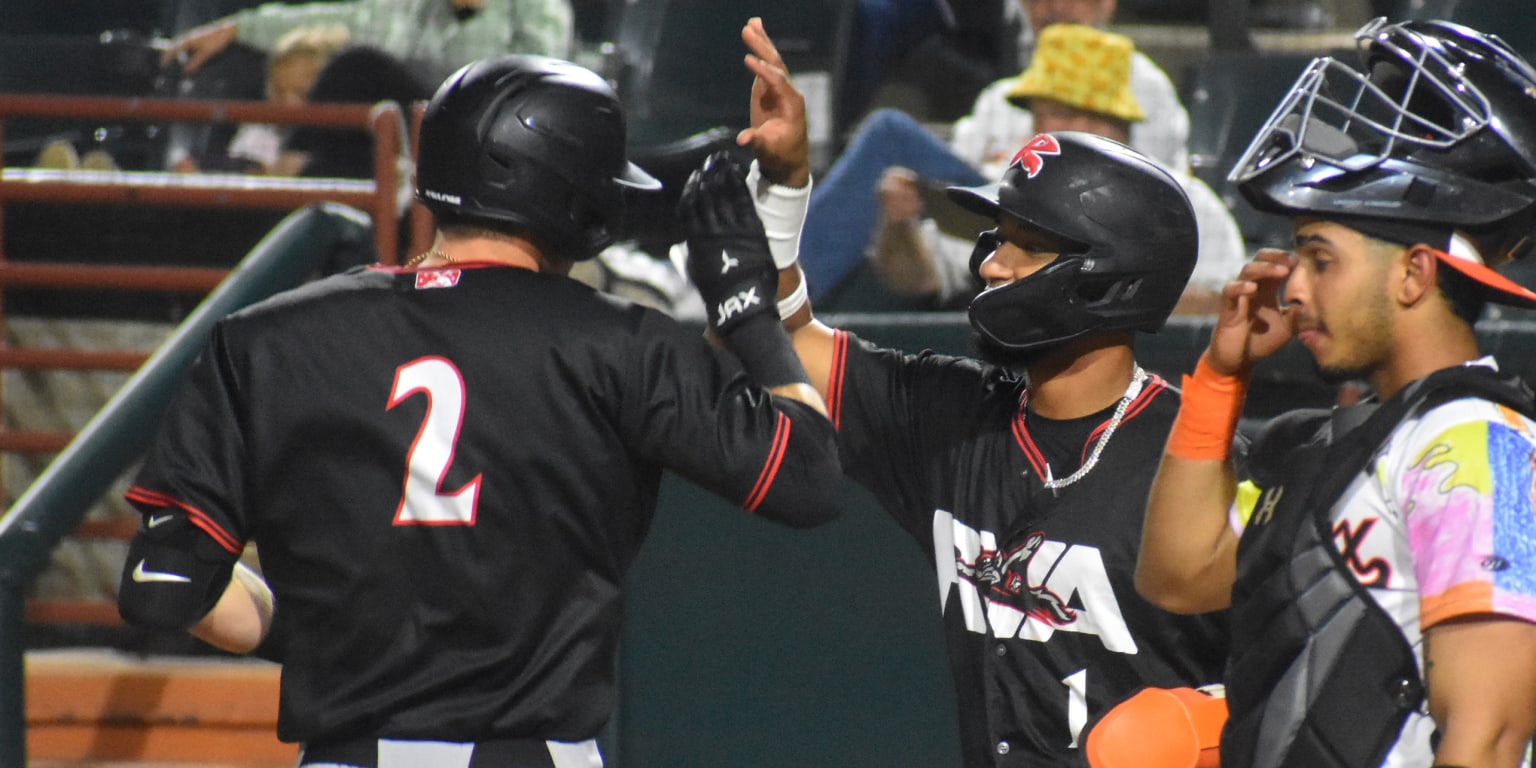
point(728, 257)
point(1253, 323)
point(778, 136)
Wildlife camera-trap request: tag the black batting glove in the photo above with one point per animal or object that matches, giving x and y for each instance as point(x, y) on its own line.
point(729, 262)
point(728, 257)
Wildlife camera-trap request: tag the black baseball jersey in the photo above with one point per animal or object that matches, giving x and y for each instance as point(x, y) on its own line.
point(447, 474)
point(1044, 627)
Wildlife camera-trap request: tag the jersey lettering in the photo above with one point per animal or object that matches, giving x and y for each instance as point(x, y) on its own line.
point(427, 463)
point(1350, 539)
point(1029, 590)
point(1077, 703)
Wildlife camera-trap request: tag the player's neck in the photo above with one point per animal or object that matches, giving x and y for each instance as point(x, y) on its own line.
point(510, 252)
point(1424, 340)
point(1083, 378)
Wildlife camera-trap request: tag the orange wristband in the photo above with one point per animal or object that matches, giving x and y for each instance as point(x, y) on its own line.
point(1208, 414)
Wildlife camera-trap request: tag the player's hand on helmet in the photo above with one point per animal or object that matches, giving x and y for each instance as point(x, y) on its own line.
point(1254, 322)
point(728, 257)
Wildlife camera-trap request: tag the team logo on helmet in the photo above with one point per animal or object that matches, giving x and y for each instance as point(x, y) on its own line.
point(1031, 159)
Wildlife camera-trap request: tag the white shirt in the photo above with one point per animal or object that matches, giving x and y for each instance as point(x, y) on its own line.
point(989, 136)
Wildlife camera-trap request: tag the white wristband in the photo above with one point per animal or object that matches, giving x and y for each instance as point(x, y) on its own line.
point(782, 210)
point(793, 302)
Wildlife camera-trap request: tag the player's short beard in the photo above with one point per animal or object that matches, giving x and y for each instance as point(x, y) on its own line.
point(1336, 376)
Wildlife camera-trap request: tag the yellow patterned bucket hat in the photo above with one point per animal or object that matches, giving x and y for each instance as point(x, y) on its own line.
point(1082, 67)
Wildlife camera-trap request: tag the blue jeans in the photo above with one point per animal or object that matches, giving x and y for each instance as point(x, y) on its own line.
point(843, 208)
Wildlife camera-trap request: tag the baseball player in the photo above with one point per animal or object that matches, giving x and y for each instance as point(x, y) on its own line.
point(1381, 564)
point(447, 468)
point(1023, 474)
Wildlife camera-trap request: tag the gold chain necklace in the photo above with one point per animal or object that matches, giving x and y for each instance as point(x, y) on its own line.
point(424, 255)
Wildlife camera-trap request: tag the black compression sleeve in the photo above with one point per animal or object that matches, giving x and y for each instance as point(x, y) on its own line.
point(766, 352)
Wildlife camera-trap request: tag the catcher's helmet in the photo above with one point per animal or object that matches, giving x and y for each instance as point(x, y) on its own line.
point(533, 142)
point(1432, 140)
point(1129, 233)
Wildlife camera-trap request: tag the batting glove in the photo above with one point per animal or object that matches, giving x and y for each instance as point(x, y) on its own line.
point(728, 256)
point(730, 263)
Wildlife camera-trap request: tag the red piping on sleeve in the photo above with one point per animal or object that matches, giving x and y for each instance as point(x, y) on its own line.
point(198, 517)
point(835, 378)
point(771, 466)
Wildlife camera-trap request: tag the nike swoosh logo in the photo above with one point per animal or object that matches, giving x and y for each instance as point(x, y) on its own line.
point(141, 575)
point(155, 520)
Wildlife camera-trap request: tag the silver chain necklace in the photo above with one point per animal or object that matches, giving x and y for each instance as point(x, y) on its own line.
point(1138, 378)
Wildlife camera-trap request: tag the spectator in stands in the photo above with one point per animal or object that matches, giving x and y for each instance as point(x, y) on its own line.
point(843, 205)
point(434, 36)
point(1079, 79)
point(295, 62)
point(399, 50)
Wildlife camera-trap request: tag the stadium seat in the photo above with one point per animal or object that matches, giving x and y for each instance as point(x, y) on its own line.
point(1230, 96)
point(680, 68)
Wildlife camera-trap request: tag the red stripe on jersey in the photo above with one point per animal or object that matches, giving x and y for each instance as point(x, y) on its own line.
point(835, 378)
point(771, 466)
point(1027, 444)
point(198, 517)
point(1149, 389)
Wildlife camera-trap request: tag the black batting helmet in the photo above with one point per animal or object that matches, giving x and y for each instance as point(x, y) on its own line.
point(1129, 236)
point(532, 142)
point(1432, 140)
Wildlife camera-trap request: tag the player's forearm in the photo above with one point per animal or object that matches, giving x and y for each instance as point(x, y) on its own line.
point(1188, 556)
point(1481, 681)
point(242, 617)
point(781, 197)
point(802, 393)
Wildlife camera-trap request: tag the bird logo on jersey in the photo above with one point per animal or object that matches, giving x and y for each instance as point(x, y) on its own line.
point(1032, 156)
point(1029, 590)
point(1002, 574)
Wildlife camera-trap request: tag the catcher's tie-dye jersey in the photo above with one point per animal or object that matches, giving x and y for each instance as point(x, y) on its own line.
point(1441, 525)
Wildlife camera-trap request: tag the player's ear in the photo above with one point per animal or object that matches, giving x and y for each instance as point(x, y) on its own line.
point(1415, 271)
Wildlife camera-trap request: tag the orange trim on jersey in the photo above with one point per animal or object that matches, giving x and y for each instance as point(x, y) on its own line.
point(196, 516)
point(835, 378)
point(1470, 598)
point(781, 429)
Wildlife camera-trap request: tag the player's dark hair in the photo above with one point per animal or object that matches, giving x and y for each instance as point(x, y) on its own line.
point(459, 226)
point(1467, 297)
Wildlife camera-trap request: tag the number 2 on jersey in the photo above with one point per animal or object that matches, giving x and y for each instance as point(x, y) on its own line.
point(426, 465)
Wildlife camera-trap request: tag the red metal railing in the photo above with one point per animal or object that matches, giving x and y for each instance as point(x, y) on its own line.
point(377, 196)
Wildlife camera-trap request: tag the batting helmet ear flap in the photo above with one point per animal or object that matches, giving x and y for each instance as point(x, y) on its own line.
point(533, 143)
